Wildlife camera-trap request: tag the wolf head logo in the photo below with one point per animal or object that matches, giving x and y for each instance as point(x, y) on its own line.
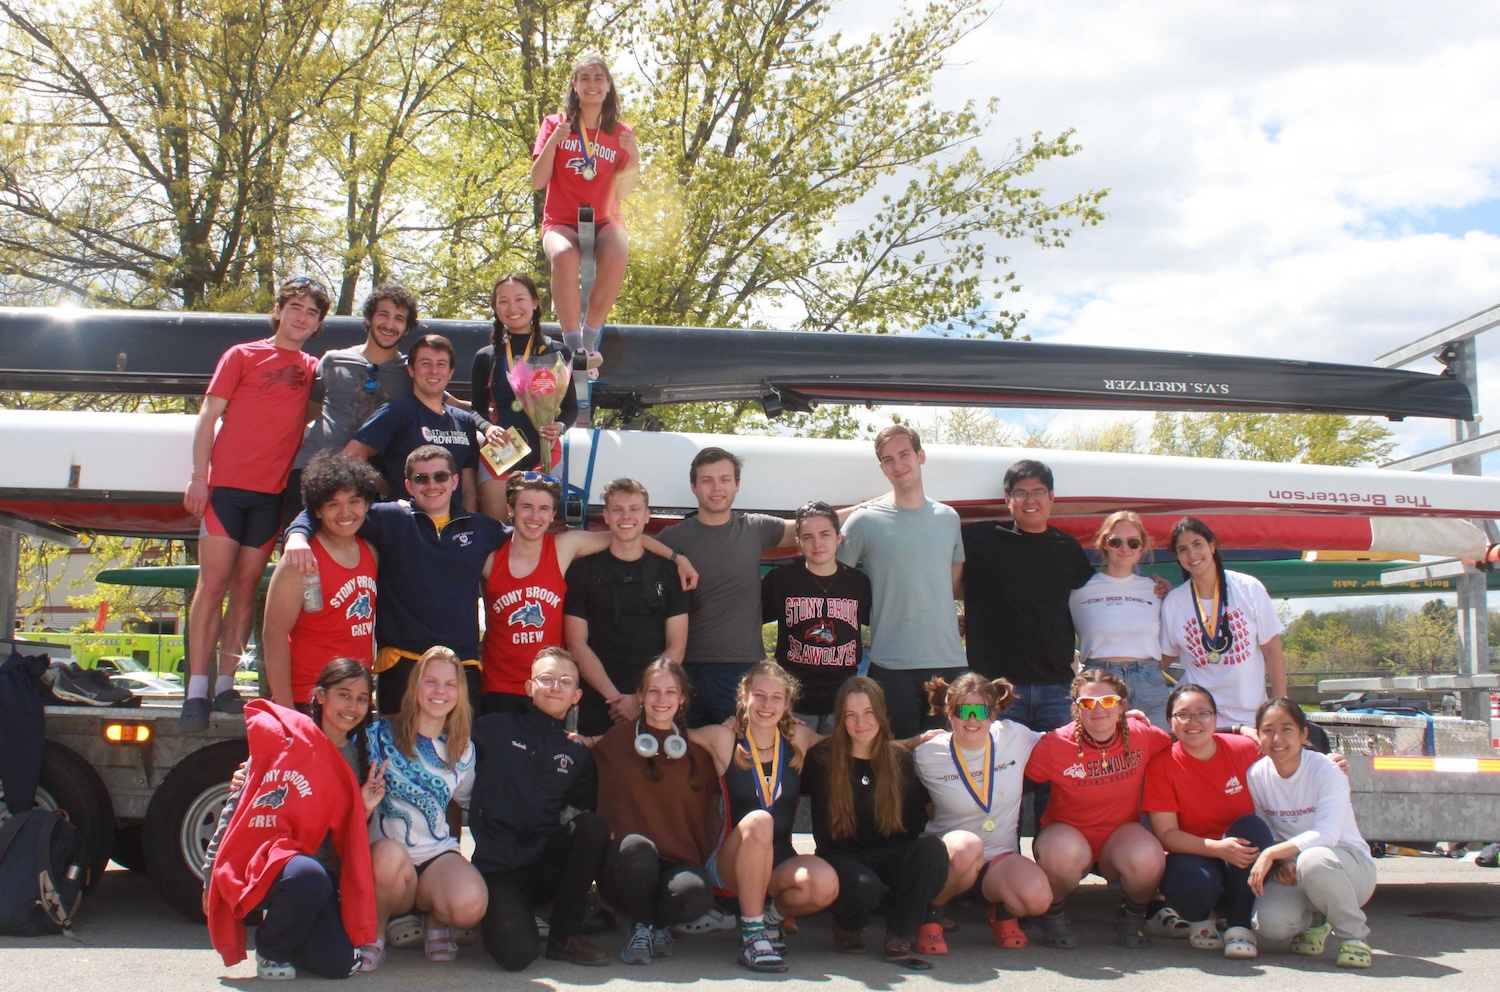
point(528, 614)
point(360, 608)
point(822, 634)
point(274, 799)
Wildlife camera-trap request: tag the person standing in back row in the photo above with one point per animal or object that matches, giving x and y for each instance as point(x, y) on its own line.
point(1016, 583)
point(911, 549)
point(259, 390)
point(726, 545)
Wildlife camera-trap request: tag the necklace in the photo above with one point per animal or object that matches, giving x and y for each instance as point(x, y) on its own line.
point(823, 587)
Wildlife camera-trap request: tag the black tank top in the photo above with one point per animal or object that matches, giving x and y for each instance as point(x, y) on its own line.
point(744, 796)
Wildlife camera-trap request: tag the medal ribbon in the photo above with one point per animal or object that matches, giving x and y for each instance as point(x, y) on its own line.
point(1210, 636)
point(510, 359)
point(989, 779)
point(768, 786)
point(590, 152)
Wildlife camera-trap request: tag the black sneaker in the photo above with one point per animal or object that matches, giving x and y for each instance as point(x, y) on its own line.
point(194, 717)
point(230, 702)
point(72, 684)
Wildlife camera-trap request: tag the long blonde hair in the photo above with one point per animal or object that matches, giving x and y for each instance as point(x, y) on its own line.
point(455, 726)
point(770, 670)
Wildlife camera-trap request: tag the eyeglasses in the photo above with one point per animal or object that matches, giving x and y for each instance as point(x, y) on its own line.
point(973, 711)
point(1133, 543)
point(1201, 716)
point(1029, 495)
point(372, 377)
point(307, 281)
point(548, 681)
point(422, 478)
point(1098, 702)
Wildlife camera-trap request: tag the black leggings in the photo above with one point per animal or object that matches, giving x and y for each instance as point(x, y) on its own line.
point(303, 925)
point(903, 881)
point(564, 872)
point(647, 890)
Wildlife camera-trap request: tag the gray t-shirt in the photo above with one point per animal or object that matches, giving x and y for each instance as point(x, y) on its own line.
point(341, 386)
point(724, 627)
point(909, 556)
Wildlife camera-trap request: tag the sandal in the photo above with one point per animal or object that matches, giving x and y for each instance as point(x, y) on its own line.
point(1006, 931)
point(404, 931)
point(1057, 930)
point(1204, 935)
point(1311, 940)
point(372, 956)
point(438, 943)
point(898, 951)
point(757, 954)
point(1239, 942)
point(1166, 923)
point(1353, 954)
point(1130, 926)
point(930, 939)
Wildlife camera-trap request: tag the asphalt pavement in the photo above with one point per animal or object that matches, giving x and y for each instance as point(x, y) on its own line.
point(1435, 921)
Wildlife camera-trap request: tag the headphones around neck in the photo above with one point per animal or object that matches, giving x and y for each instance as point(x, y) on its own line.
point(675, 746)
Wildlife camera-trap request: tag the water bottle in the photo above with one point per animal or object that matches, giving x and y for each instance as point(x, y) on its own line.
point(312, 593)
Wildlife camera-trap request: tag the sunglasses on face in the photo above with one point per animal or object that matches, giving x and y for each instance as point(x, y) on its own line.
point(973, 711)
point(1098, 702)
point(1133, 543)
point(372, 378)
point(422, 478)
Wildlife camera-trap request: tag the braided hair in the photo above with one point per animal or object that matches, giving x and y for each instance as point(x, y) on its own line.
point(1088, 677)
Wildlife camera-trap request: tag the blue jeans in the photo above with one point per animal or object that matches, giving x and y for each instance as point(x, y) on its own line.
point(1041, 707)
point(1195, 885)
point(1146, 685)
point(714, 690)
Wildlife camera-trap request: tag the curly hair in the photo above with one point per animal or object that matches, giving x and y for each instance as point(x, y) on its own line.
point(333, 472)
point(764, 670)
point(397, 294)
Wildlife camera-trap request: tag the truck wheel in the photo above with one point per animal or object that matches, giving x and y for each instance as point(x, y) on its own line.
point(71, 785)
point(181, 821)
point(129, 850)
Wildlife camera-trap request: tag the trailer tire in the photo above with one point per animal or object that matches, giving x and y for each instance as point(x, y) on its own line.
point(181, 821)
point(71, 785)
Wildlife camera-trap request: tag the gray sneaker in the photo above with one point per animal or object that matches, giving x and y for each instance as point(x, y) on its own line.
point(638, 949)
point(662, 944)
point(194, 718)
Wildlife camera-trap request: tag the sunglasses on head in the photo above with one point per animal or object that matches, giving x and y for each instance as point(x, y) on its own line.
point(372, 377)
point(1133, 543)
point(307, 281)
point(422, 478)
point(541, 477)
point(811, 507)
point(1098, 702)
point(973, 711)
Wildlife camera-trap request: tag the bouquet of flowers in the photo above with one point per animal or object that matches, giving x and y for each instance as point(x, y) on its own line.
point(540, 383)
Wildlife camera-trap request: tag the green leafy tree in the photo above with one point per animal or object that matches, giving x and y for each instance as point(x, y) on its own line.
point(1320, 439)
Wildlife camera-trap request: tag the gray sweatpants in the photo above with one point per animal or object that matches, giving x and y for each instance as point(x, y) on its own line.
point(1335, 882)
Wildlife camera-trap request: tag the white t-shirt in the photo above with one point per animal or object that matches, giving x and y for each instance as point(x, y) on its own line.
point(1117, 618)
point(1238, 678)
point(1311, 808)
point(955, 809)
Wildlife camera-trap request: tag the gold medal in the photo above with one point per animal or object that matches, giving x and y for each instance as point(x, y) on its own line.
point(1214, 657)
point(588, 172)
point(989, 825)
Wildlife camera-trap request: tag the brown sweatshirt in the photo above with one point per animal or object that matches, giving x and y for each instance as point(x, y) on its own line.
point(681, 813)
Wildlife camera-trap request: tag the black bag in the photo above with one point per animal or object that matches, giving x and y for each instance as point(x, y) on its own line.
point(41, 879)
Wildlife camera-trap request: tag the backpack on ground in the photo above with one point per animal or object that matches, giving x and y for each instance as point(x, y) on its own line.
point(41, 879)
